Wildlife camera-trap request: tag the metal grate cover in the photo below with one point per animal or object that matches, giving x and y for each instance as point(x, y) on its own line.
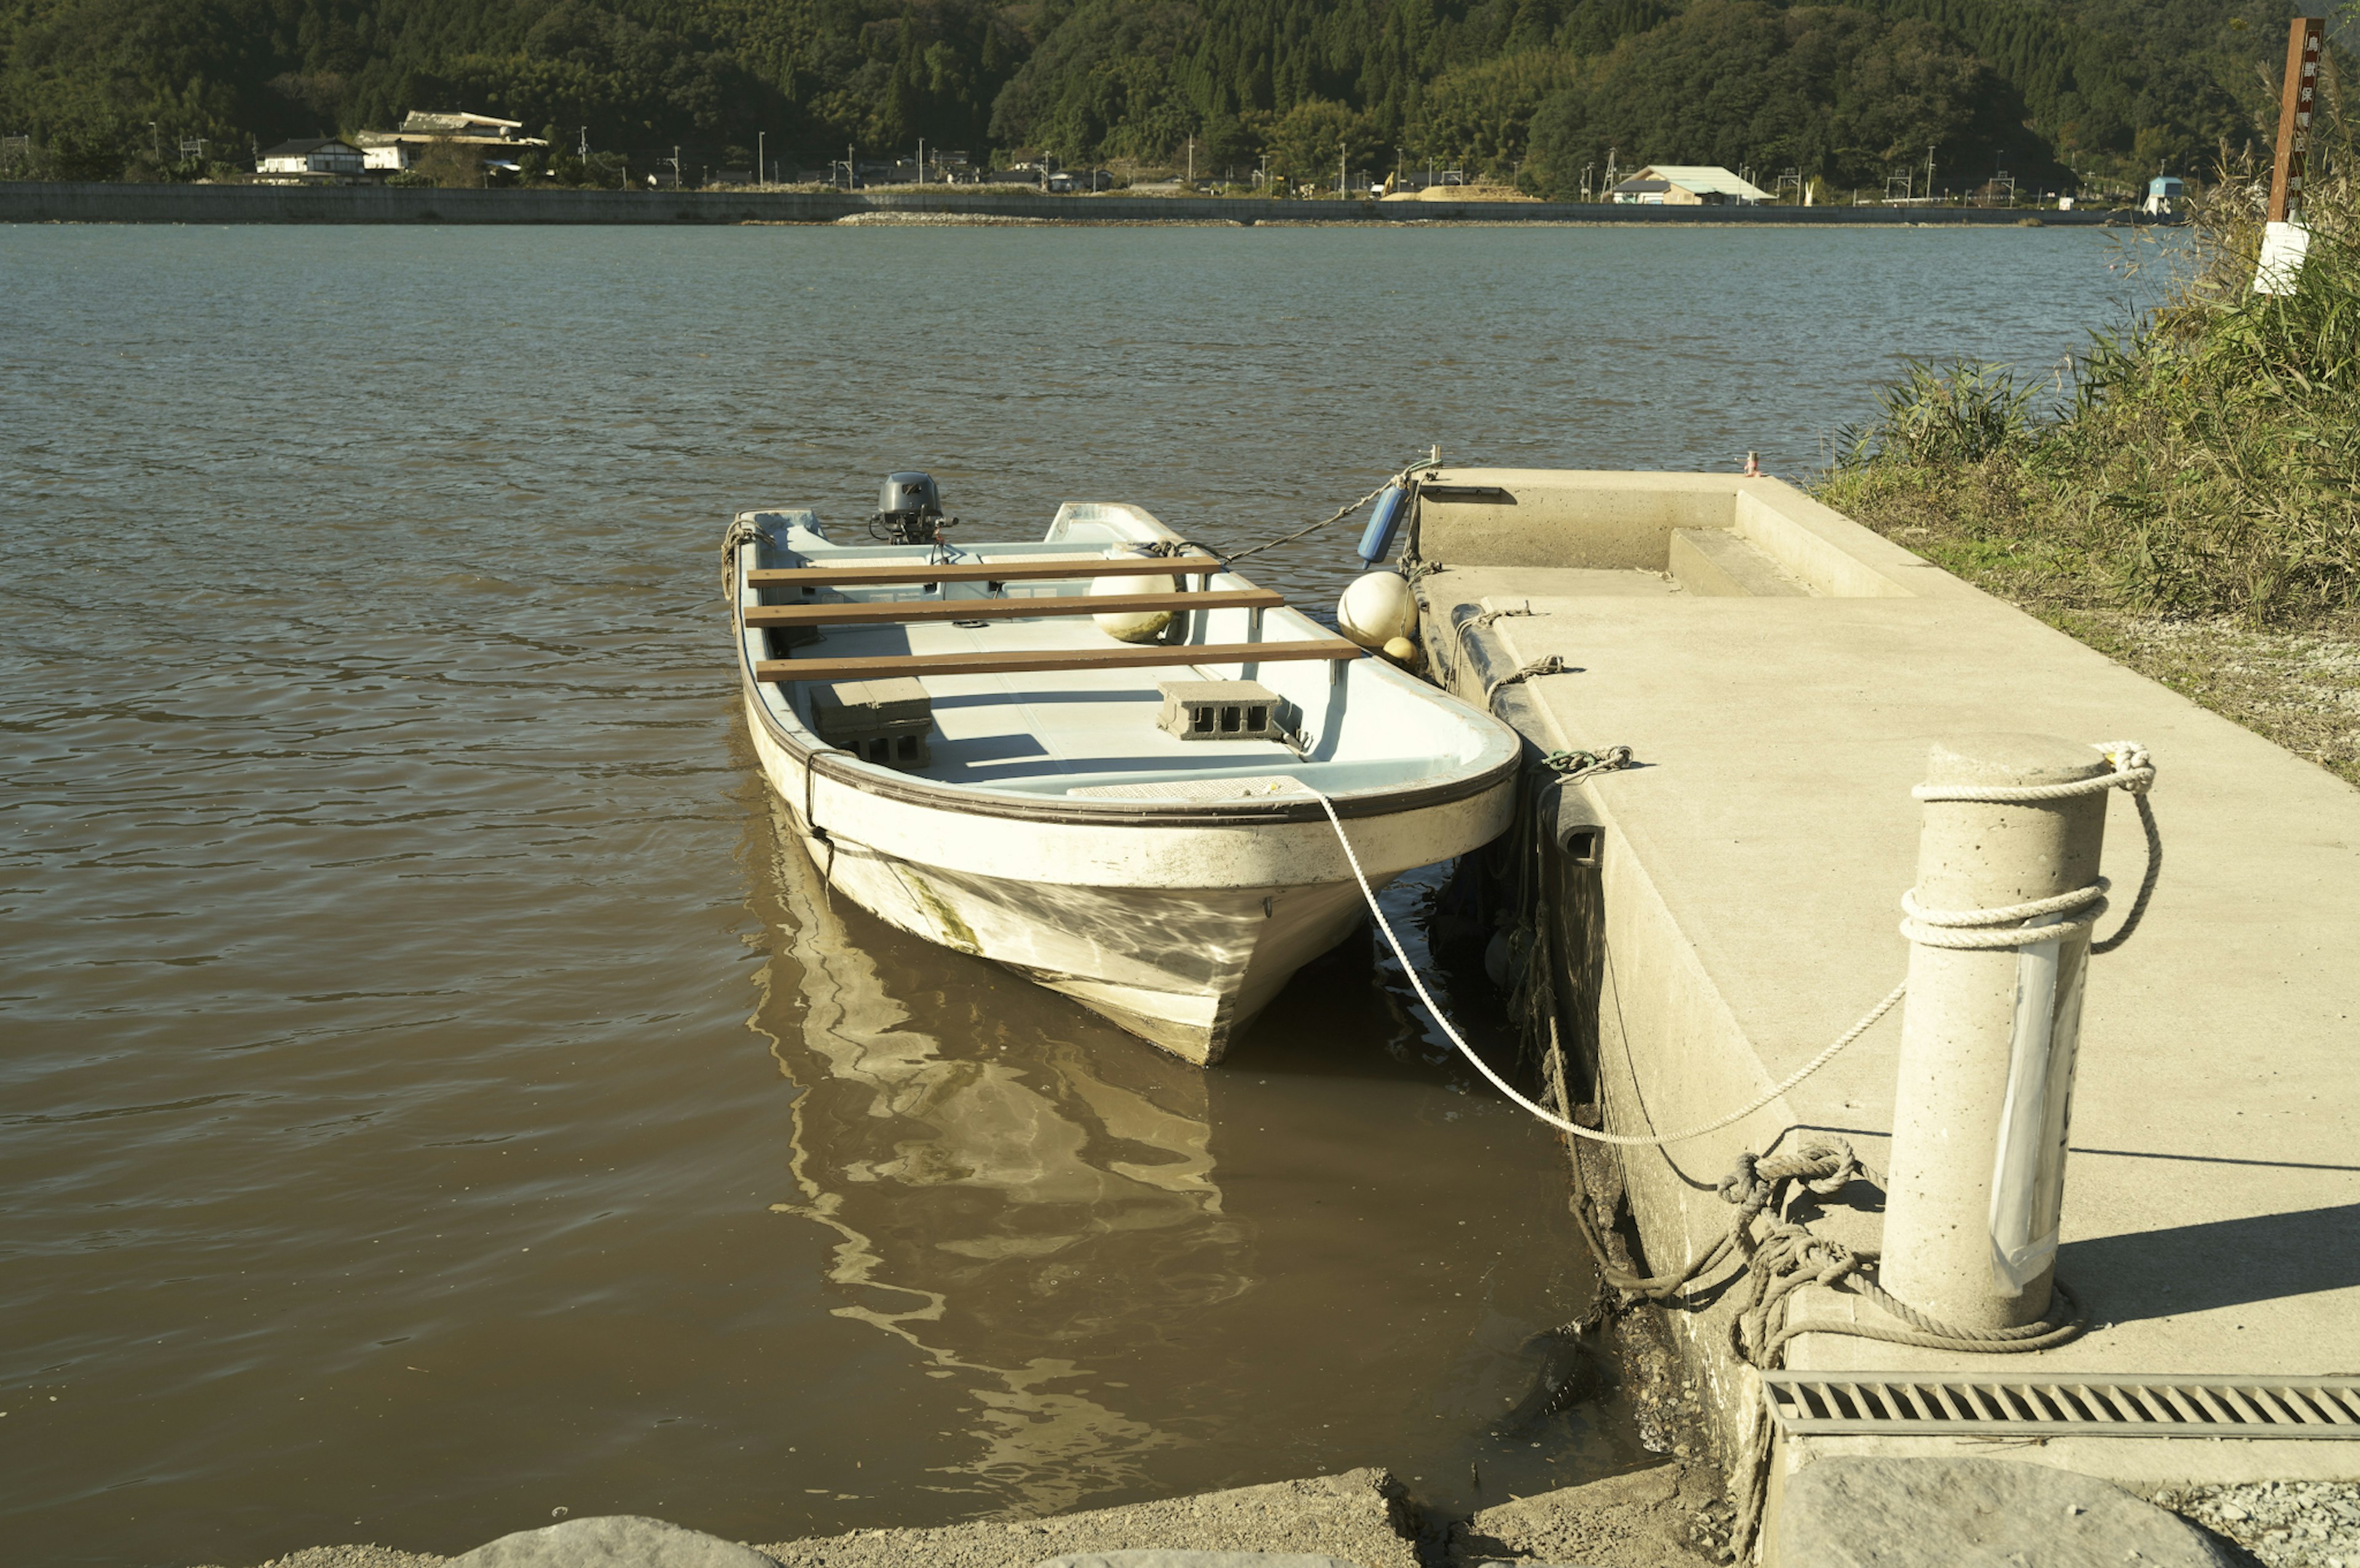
point(1904, 1404)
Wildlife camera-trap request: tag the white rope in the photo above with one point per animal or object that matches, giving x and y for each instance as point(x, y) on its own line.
point(2132, 771)
point(2003, 926)
point(1560, 1123)
point(1994, 928)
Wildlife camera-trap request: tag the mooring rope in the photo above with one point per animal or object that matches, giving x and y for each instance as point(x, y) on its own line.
point(1573, 766)
point(1480, 621)
point(1548, 664)
point(1790, 1255)
point(742, 531)
point(1418, 983)
point(2132, 771)
point(1338, 516)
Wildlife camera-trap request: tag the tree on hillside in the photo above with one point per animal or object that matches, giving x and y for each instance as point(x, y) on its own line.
point(1477, 117)
point(2114, 85)
point(1831, 92)
point(1307, 140)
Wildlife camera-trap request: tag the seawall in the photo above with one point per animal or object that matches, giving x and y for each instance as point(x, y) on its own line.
point(42, 201)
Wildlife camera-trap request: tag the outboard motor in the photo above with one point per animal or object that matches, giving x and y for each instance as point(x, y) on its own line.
point(910, 510)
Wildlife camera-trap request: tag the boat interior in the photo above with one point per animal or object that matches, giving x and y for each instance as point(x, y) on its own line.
point(1024, 693)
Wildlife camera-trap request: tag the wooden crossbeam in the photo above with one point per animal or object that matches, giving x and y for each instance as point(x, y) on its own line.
point(897, 610)
point(896, 573)
point(1018, 663)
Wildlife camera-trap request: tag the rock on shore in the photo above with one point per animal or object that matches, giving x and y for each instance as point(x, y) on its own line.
point(1666, 1516)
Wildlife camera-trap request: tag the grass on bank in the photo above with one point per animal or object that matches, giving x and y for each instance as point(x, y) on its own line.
point(2193, 507)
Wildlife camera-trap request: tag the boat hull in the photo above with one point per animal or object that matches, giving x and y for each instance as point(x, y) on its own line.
point(1183, 961)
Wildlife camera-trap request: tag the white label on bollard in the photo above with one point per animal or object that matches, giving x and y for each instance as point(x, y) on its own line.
point(2028, 1168)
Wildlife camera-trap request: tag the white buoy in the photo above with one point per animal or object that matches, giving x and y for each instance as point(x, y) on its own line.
point(1401, 652)
point(1377, 609)
point(1133, 626)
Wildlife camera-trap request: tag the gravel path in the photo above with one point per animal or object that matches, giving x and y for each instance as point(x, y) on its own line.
point(2285, 1524)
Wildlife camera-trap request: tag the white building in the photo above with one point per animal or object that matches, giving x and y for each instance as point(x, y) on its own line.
point(318, 157)
point(1687, 185)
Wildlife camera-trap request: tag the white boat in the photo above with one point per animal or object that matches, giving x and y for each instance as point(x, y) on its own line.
point(1030, 799)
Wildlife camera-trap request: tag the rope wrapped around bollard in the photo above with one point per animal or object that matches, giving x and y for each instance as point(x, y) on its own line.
point(1996, 928)
point(1791, 1255)
point(2003, 926)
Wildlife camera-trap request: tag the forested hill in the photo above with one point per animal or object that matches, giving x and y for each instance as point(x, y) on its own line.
point(1534, 89)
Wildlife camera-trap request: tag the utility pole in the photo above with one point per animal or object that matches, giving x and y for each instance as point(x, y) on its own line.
point(1929, 174)
point(922, 161)
point(761, 165)
point(1192, 163)
point(1340, 174)
point(847, 166)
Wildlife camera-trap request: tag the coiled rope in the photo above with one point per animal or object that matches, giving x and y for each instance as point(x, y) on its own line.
point(742, 531)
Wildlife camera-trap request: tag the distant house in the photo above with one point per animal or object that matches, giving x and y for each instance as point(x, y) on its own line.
point(1686, 185)
point(498, 142)
point(2164, 194)
point(320, 156)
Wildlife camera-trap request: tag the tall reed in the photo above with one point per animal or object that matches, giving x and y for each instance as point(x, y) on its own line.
point(2206, 462)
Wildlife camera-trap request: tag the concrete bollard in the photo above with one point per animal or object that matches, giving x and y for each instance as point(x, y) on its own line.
point(1987, 1038)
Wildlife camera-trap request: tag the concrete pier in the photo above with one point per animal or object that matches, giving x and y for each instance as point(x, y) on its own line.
point(1780, 674)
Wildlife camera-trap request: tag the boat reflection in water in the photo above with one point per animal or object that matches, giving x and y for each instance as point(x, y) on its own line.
point(1003, 1200)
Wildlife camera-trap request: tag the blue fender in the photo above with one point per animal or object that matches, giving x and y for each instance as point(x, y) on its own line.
point(1377, 540)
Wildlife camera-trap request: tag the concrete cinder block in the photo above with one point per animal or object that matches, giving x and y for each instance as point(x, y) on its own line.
point(1976, 1513)
point(616, 1541)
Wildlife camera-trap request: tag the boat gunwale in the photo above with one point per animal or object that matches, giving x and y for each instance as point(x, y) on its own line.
point(1067, 810)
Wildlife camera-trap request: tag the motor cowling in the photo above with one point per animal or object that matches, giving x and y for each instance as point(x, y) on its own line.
point(908, 509)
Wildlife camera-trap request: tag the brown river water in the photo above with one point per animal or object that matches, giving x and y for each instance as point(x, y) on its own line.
point(433, 1092)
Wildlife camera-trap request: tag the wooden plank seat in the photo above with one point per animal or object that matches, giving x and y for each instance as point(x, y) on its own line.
point(873, 612)
point(894, 574)
point(1025, 661)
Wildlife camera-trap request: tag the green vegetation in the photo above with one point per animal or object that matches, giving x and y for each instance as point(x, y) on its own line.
point(2193, 507)
point(1532, 90)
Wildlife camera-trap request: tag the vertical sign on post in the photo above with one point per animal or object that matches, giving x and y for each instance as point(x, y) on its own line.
point(2284, 239)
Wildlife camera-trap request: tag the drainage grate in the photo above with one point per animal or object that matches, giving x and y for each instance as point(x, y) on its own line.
point(1899, 1404)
